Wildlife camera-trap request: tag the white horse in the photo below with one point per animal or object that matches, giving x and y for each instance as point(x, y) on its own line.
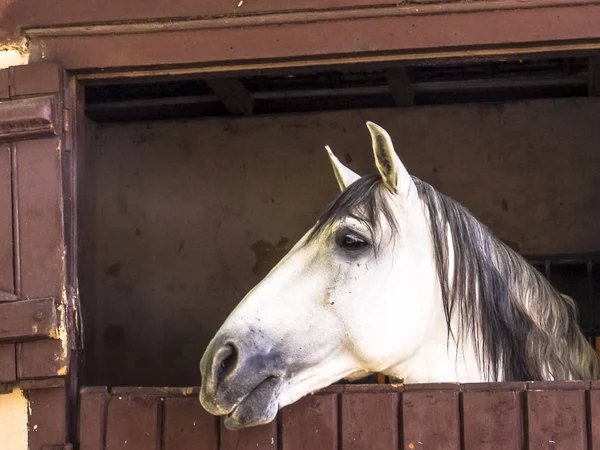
point(398, 279)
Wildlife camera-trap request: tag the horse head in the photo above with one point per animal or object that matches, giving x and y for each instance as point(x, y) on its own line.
point(357, 294)
point(394, 278)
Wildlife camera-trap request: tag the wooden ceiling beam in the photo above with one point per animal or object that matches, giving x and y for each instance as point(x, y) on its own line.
point(399, 82)
point(594, 77)
point(233, 94)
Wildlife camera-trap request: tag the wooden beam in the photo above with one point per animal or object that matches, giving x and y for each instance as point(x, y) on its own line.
point(28, 319)
point(29, 118)
point(41, 359)
point(400, 85)
point(594, 77)
point(233, 94)
point(7, 363)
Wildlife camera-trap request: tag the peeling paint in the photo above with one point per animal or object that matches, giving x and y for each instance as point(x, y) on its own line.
point(63, 309)
point(13, 421)
point(14, 54)
point(62, 332)
point(187, 390)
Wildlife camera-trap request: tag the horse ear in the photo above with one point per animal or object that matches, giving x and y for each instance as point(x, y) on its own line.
point(344, 176)
point(394, 174)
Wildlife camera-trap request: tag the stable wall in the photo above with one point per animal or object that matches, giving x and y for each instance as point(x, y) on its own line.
point(186, 216)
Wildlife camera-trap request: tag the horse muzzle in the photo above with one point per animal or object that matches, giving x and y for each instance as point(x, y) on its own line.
point(242, 380)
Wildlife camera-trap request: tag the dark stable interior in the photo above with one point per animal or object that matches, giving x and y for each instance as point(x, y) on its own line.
point(192, 194)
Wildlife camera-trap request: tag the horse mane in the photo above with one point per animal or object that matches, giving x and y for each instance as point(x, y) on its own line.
point(522, 328)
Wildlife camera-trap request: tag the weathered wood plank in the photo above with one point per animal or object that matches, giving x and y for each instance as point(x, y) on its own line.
point(263, 437)
point(44, 383)
point(556, 417)
point(492, 418)
point(430, 417)
point(8, 371)
point(47, 417)
point(188, 425)
point(594, 412)
point(369, 421)
point(133, 423)
point(29, 118)
point(40, 214)
point(40, 359)
point(28, 319)
point(4, 92)
point(329, 38)
point(92, 418)
point(7, 274)
point(35, 78)
point(311, 423)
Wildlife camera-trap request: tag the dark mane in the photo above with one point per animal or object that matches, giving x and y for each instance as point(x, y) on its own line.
point(522, 328)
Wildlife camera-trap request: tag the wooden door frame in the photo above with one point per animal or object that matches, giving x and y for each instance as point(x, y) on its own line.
point(384, 35)
point(39, 310)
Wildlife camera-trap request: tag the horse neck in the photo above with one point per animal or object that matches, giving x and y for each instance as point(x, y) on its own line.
point(440, 359)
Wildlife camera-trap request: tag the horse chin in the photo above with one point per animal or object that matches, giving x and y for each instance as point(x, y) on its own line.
point(258, 408)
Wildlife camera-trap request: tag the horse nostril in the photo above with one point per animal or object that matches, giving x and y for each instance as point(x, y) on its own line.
point(225, 362)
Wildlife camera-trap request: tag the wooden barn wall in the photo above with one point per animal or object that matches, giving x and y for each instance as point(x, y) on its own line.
point(187, 216)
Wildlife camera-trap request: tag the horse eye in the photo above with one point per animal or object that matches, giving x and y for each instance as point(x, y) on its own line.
point(352, 242)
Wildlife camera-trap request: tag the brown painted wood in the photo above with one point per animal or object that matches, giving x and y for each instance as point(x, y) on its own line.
point(28, 118)
point(45, 383)
point(361, 388)
point(188, 425)
point(40, 217)
point(38, 13)
point(369, 421)
point(233, 94)
point(430, 419)
point(8, 372)
point(263, 437)
point(133, 423)
point(362, 35)
point(312, 422)
point(4, 92)
point(92, 418)
point(594, 414)
point(7, 297)
point(7, 274)
point(492, 420)
point(35, 78)
point(47, 417)
point(556, 419)
point(28, 319)
point(40, 359)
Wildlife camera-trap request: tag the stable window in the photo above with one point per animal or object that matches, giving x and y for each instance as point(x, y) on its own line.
point(195, 187)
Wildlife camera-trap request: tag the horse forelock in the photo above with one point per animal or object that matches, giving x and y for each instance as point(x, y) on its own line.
point(521, 327)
